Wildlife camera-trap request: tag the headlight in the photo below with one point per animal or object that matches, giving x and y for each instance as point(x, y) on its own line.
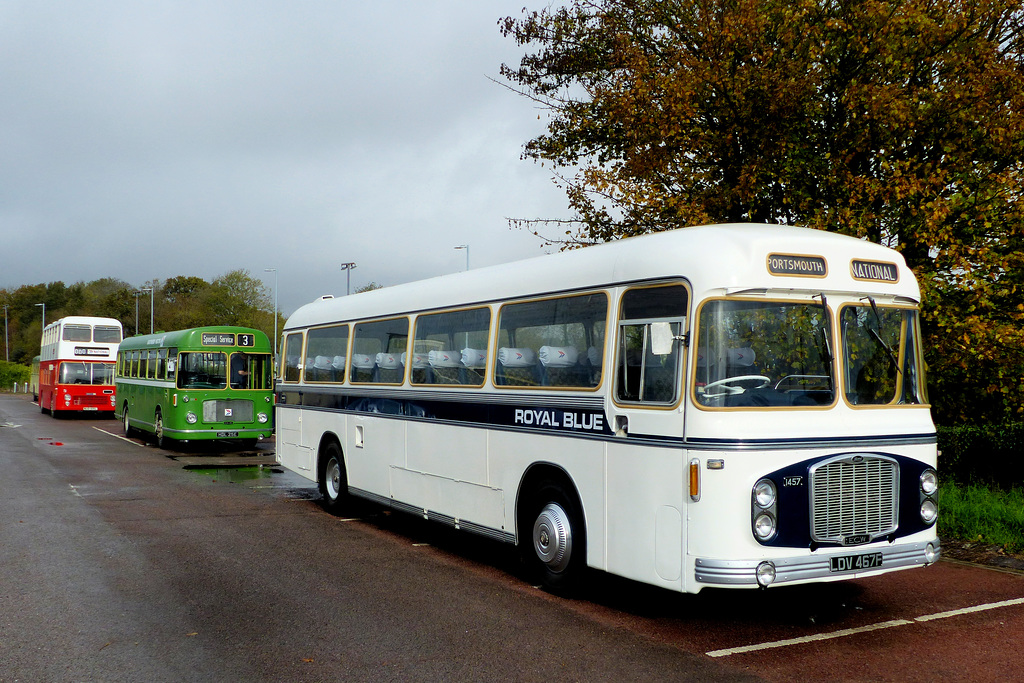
point(929, 482)
point(764, 526)
point(929, 511)
point(764, 493)
point(191, 418)
point(266, 399)
point(262, 417)
point(765, 574)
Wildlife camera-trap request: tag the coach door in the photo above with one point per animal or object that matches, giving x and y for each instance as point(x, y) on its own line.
point(646, 466)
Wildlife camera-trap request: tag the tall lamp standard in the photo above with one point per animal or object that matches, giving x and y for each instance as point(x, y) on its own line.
point(274, 271)
point(137, 293)
point(466, 247)
point(150, 290)
point(347, 267)
point(7, 352)
point(44, 314)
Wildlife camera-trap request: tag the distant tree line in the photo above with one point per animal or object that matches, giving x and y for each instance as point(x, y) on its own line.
point(235, 298)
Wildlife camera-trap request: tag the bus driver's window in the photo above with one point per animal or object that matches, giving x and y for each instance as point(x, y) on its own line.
point(240, 371)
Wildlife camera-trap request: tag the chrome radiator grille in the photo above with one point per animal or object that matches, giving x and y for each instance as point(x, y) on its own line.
point(232, 410)
point(854, 495)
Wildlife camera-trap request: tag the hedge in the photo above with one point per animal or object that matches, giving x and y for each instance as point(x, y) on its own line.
point(985, 454)
point(11, 373)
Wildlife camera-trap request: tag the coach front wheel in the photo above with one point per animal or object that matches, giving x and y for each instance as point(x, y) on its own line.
point(555, 548)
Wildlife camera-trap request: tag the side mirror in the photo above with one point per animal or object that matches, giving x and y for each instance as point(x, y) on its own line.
point(662, 339)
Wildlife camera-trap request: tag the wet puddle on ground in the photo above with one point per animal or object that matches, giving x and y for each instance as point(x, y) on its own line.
point(236, 475)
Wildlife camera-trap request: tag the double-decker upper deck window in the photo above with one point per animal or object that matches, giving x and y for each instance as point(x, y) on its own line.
point(651, 323)
point(78, 333)
point(377, 349)
point(553, 342)
point(450, 348)
point(325, 354)
point(764, 354)
point(881, 359)
point(105, 334)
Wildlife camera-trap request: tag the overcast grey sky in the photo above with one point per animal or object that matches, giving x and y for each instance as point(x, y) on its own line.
point(143, 140)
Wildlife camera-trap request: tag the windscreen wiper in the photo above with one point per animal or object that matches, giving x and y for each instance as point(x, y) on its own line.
point(881, 342)
point(824, 339)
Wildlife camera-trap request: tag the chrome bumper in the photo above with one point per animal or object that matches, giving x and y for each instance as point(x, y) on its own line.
point(813, 567)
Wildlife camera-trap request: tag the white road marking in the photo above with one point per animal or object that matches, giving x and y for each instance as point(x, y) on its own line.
point(863, 629)
point(969, 610)
point(808, 639)
point(118, 436)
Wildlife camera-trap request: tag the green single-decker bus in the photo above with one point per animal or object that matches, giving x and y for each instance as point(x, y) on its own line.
point(205, 383)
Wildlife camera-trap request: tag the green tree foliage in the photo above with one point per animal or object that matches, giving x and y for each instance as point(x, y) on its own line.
point(899, 122)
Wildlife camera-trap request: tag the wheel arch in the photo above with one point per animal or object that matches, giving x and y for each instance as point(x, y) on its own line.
point(327, 439)
point(537, 475)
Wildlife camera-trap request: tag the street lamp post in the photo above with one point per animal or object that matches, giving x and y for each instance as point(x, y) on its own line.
point(151, 295)
point(7, 352)
point(347, 267)
point(274, 270)
point(137, 293)
point(466, 247)
point(44, 314)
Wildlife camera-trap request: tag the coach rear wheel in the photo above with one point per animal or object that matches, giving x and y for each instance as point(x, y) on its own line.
point(333, 482)
point(555, 550)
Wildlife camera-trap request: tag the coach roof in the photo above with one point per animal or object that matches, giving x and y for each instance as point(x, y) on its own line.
point(713, 257)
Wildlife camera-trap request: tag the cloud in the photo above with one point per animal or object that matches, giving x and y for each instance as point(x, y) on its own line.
point(149, 140)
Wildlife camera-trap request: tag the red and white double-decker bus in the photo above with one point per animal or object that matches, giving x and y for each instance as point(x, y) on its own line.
point(76, 365)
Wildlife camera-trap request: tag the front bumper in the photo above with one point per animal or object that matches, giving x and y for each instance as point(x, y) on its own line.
point(814, 567)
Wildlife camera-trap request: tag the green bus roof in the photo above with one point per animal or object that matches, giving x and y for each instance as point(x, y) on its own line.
point(213, 338)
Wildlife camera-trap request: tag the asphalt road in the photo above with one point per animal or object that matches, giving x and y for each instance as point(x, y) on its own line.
point(118, 563)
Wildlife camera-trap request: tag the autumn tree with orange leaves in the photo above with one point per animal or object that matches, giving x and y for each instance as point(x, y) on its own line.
point(898, 122)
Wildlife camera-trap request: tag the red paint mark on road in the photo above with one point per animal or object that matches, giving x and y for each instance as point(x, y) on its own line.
point(57, 443)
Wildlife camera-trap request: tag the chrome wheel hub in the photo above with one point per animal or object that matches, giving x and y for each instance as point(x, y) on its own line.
point(552, 537)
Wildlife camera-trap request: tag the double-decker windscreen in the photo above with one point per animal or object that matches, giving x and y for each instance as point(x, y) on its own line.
point(86, 373)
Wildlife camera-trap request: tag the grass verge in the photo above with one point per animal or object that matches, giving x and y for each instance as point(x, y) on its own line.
point(978, 513)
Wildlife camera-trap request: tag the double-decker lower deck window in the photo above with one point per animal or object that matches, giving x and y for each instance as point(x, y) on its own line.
point(86, 373)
